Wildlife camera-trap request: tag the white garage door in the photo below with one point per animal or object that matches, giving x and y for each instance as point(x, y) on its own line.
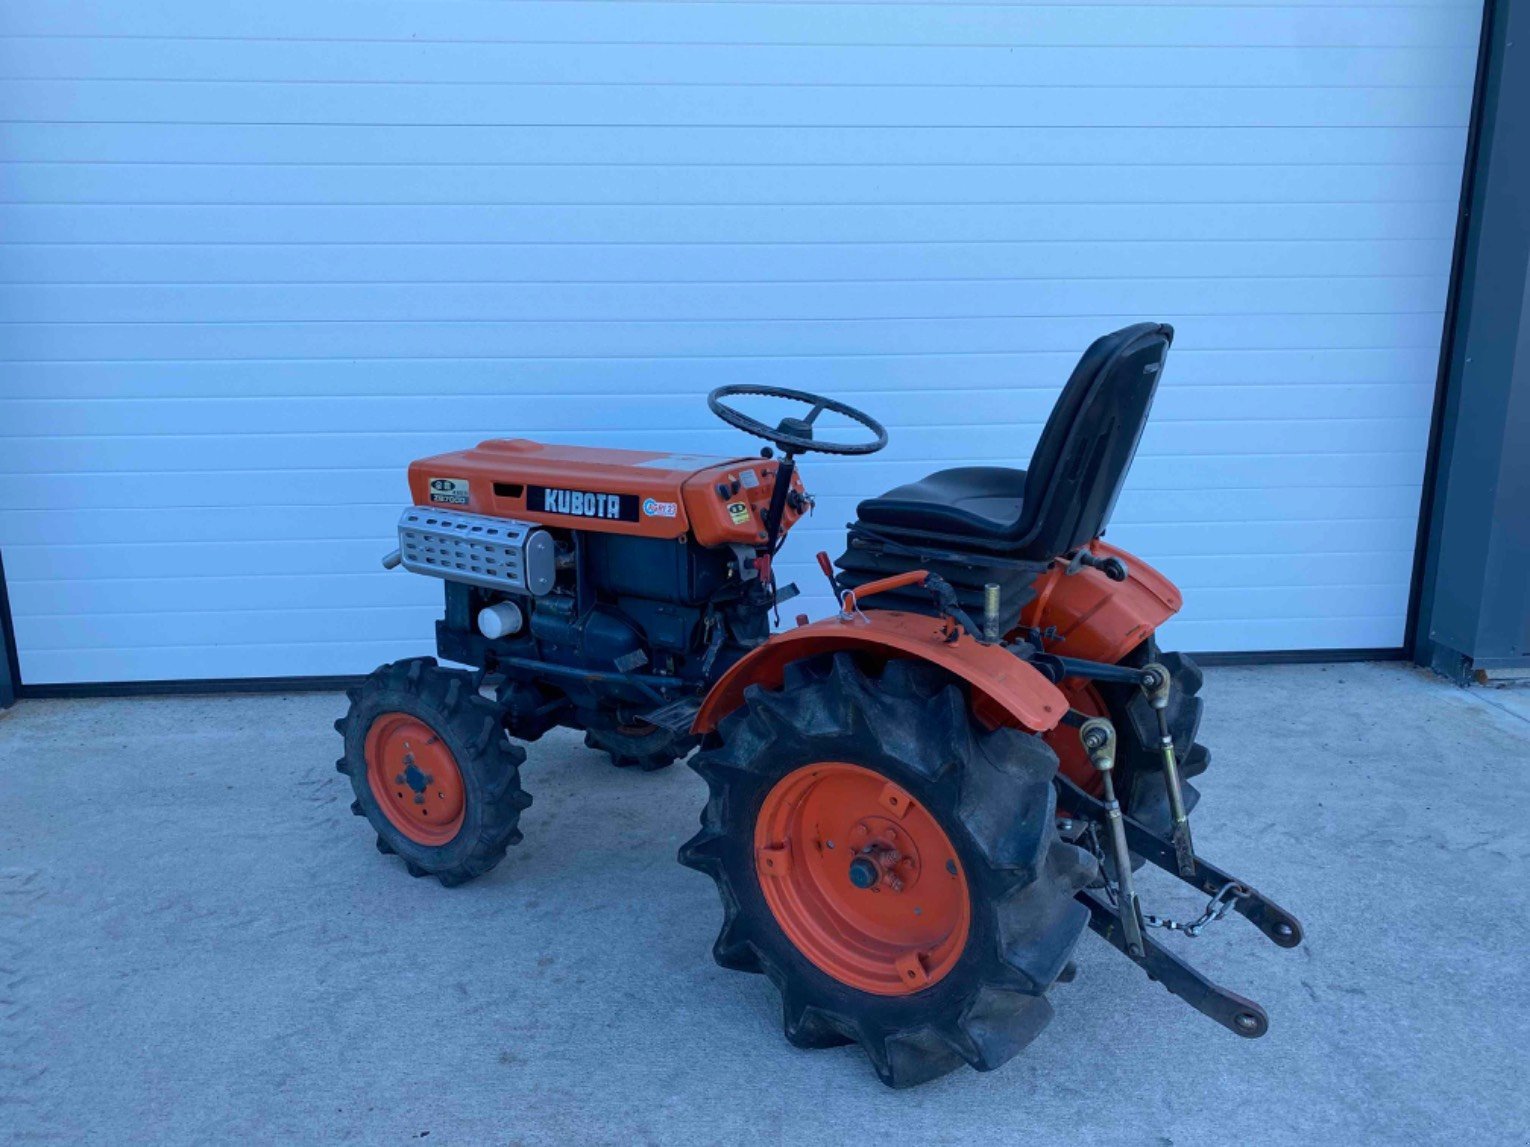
point(257, 257)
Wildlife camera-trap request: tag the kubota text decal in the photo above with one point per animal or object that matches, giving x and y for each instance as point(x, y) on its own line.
point(582, 503)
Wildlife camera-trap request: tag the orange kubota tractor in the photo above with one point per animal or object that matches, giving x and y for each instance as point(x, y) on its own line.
point(917, 805)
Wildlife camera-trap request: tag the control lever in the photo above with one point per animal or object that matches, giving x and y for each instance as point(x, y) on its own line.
point(828, 571)
point(937, 587)
point(850, 600)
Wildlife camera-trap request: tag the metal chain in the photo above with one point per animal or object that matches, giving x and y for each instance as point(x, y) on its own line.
point(1099, 855)
point(1216, 908)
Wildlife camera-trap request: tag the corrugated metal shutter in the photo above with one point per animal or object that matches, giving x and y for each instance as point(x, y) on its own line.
point(255, 258)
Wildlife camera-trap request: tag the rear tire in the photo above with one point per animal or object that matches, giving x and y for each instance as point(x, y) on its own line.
point(979, 996)
point(1139, 759)
point(647, 748)
point(420, 742)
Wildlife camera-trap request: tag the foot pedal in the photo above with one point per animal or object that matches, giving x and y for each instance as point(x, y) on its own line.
point(677, 716)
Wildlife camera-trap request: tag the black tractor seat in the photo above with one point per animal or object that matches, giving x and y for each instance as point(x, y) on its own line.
point(977, 526)
point(967, 502)
point(1064, 498)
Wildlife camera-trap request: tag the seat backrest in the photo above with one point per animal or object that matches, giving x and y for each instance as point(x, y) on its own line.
point(1082, 457)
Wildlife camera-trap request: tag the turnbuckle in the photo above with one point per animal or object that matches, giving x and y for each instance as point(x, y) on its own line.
point(1155, 687)
point(1099, 739)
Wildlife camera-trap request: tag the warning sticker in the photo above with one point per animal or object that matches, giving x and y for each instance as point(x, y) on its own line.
point(449, 491)
point(739, 512)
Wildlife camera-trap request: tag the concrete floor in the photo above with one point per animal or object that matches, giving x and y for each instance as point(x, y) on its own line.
point(198, 943)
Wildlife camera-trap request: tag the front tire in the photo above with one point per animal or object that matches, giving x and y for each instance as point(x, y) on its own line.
point(836, 788)
point(432, 770)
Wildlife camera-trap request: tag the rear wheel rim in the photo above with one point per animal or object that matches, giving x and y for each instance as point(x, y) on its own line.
point(415, 779)
point(1072, 761)
point(862, 879)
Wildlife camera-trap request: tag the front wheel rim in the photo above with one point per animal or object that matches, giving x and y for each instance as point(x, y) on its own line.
point(415, 779)
point(862, 878)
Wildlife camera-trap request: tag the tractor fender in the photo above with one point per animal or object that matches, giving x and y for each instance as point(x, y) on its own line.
point(1097, 619)
point(1005, 690)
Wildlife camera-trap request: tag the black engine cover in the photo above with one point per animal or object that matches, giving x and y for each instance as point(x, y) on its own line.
point(659, 569)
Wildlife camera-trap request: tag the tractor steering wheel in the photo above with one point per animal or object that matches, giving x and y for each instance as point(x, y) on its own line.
point(795, 435)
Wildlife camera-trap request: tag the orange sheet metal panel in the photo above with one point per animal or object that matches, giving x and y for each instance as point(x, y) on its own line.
point(1098, 619)
point(1004, 688)
point(739, 516)
point(642, 493)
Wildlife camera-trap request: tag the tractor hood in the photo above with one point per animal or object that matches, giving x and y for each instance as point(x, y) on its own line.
point(643, 493)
